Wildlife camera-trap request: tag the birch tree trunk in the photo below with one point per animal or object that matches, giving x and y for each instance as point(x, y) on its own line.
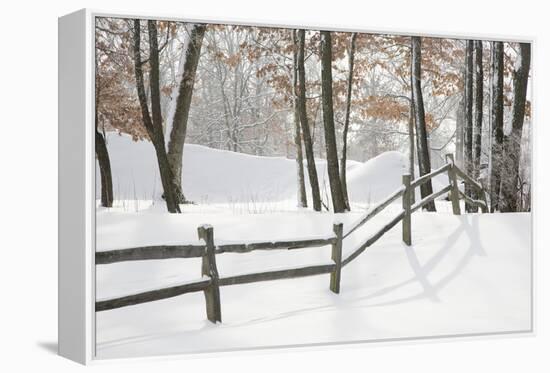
point(183, 103)
point(511, 166)
point(328, 123)
point(308, 143)
point(153, 124)
point(497, 120)
point(302, 196)
point(343, 178)
point(420, 119)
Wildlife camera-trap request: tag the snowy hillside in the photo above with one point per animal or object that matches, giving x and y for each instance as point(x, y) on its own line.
point(219, 176)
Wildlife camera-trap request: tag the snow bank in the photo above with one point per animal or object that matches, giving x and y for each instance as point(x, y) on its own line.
point(377, 178)
point(213, 176)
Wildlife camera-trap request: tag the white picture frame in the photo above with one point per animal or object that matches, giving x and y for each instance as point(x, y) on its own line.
point(77, 173)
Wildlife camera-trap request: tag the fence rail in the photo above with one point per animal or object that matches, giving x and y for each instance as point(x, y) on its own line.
point(278, 274)
point(424, 201)
point(423, 179)
point(376, 209)
point(149, 253)
point(276, 245)
point(208, 250)
point(372, 239)
point(152, 295)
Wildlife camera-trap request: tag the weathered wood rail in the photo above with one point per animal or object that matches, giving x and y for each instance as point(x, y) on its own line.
point(210, 282)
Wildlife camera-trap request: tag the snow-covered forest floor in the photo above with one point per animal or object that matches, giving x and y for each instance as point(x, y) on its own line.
point(462, 275)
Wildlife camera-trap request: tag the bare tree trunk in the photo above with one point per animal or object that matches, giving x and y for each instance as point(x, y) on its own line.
point(411, 142)
point(153, 124)
point(459, 151)
point(421, 133)
point(511, 166)
point(102, 154)
point(343, 178)
point(468, 127)
point(104, 169)
point(308, 144)
point(497, 120)
point(302, 196)
point(478, 109)
point(183, 104)
point(411, 133)
point(328, 121)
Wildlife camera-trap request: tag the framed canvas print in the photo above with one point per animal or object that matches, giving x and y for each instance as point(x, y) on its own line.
point(228, 185)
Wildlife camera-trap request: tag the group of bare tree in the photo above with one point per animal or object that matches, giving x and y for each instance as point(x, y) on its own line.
point(168, 153)
point(509, 192)
point(308, 94)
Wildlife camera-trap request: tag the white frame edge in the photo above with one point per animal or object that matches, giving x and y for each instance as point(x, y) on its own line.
point(76, 276)
point(76, 188)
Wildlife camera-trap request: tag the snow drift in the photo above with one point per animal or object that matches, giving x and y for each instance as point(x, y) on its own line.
point(220, 176)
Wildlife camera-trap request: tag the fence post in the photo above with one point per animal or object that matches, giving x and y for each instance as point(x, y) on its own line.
point(407, 209)
point(337, 257)
point(454, 184)
point(212, 293)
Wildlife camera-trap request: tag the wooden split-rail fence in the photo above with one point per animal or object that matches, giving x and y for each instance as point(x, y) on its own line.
point(210, 282)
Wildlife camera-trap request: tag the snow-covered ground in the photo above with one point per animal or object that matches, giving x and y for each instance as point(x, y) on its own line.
point(467, 274)
point(464, 274)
